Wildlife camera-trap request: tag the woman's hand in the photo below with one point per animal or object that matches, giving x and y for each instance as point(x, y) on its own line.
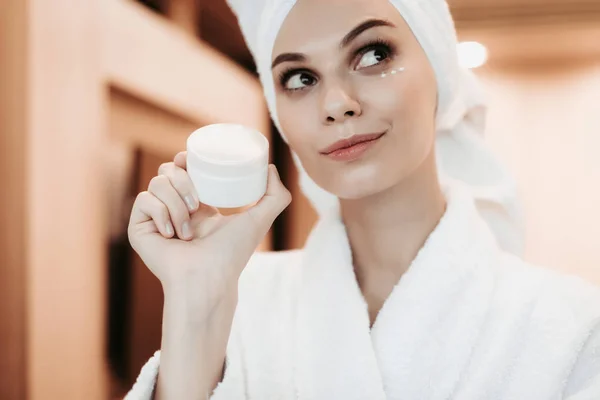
point(187, 243)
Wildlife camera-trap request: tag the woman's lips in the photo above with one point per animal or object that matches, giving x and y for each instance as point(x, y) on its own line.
point(352, 148)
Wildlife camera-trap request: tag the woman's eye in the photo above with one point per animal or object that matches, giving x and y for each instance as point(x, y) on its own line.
point(372, 57)
point(298, 81)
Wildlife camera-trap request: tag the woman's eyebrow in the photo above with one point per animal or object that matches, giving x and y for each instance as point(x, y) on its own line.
point(363, 26)
point(284, 57)
point(350, 36)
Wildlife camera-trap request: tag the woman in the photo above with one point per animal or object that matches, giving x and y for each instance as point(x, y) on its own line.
point(402, 290)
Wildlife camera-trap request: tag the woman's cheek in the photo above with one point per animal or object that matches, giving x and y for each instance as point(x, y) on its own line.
point(383, 96)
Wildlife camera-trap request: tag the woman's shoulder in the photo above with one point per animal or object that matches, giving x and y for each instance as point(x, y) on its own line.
point(550, 296)
point(553, 316)
point(548, 280)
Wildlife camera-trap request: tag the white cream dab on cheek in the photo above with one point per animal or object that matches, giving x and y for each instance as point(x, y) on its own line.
point(392, 72)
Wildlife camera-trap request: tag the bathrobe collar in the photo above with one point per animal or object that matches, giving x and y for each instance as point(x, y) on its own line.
point(432, 314)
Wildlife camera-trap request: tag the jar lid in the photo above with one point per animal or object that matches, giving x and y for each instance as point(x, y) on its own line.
point(227, 150)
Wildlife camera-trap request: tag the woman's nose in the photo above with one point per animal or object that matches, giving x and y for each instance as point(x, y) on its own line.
point(338, 105)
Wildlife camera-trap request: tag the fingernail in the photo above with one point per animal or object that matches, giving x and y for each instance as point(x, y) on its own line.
point(191, 203)
point(170, 230)
point(186, 230)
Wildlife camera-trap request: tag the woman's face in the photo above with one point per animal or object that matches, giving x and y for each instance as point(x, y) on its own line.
point(353, 67)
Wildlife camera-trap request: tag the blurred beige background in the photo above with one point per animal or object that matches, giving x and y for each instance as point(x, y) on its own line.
point(94, 95)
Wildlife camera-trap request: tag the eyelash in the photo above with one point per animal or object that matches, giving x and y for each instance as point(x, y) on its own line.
point(377, 44)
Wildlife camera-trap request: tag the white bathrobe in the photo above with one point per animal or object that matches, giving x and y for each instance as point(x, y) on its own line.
point(466, 321)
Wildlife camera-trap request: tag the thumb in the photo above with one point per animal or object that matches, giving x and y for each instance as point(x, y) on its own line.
point(275, 200)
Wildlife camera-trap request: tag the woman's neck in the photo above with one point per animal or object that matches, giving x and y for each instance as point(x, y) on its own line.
point(387, 230)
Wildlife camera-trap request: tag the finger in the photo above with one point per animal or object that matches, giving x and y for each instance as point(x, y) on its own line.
point(181, 159)
point(182, 183)
point(275, 200)
point(148, 208)
point(160, 186)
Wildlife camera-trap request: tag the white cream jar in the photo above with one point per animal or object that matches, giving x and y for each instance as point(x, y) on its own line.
point(228, 164)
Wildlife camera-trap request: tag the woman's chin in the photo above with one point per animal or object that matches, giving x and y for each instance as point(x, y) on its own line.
point(357, 180)
point(353, 189)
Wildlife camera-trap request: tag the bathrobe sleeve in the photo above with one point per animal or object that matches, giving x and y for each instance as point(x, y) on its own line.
point(143, 388)
point(584, 382)
point(231, 387)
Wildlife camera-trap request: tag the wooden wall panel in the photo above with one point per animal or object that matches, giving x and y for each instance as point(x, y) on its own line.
point(185, 14)
point(151, 59)
point(13, 198)
point(66, 213)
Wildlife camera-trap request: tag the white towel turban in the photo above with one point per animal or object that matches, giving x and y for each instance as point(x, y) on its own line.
point(461, 153)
